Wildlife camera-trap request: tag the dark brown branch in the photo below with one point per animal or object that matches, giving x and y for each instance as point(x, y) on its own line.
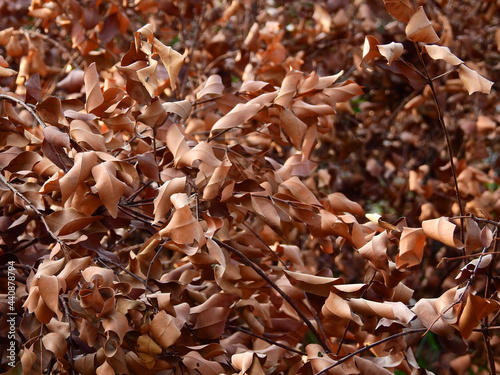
point(262, 274)
point(368, 347)
point(272, 342)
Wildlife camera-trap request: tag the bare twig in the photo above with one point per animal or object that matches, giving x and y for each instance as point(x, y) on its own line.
point(41, 216)
point(447, 138)
point(285, 296)
point(368, 347)
point(272, 342)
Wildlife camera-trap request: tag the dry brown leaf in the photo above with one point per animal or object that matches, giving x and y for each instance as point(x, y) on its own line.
point(443, 230)
point(172, 60)
point(318, 285)
point(212, 86)
point(442, 53)
point(411, 247)
point(391, 51)
point(162, 203)
point(402, 10)
point(288, 88)
point(476, 309)
point(93, 91)
point(109, 187)
point(294, 128)
point(78, 174)
point(181, 108)
point(69, 220)
point(183, 228)
point(472, 81)
point(419, 28)
point(163, 330)
point(195, 362)
point(55, 343)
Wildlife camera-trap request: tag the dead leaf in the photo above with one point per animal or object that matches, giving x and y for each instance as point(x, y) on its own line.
point(419, 28)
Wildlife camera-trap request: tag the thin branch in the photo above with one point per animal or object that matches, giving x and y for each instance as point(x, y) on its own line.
point(272, 342)
point(285, 296)
point(368, 347)
point(26, 106)
point(41, 216)
point(447, 138)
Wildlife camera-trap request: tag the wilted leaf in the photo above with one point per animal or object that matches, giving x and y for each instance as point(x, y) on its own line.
point(391, 51)
point(442, 230)
point(402, 10)
point(162, 203)
point(476, 309)
point(93, 91)
point(163, 330)
point(69, 220)
point(411, 247)
point(212, 86)
point(318, 285)
point(172, 60)
point(419, 28)
point(472, 81)
point(288, 88)
point(109, 188)
point(181, 108)
point(441, 53)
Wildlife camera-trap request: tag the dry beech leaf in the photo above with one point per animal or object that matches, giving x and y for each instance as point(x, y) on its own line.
point(441, 53)
point(69, 220)
point(476, 267)
point(370, 49)
point(391, 51)
point(212, 86)
point(338, 203)
point(318, 285)
point(288, 88)
point(117, 323)
point(163, 330)
point(183, 228)
point(419, 28)
point(337, 307)
point(78, 174)
point(402, 10)
point(376, 252)
point(109, 187)
point(476, 309)
point(443, 230)
point(93, 91)
point(55, 343)
point(313, 82)
point(56, 137)
point(49, 292)
point(293, 127)
point(298, 190)
point(162, 203)
point(217, 179)
point(472, 81)
point(82, 133)
point(249, 362)
point(195, 362)
point(181, 108)
point(202, 152)
point(172, 60)
point(411, 247)
point(176, 143)
point(147, 76)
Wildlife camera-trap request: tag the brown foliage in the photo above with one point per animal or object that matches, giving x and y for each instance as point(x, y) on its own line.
point(198, 187)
